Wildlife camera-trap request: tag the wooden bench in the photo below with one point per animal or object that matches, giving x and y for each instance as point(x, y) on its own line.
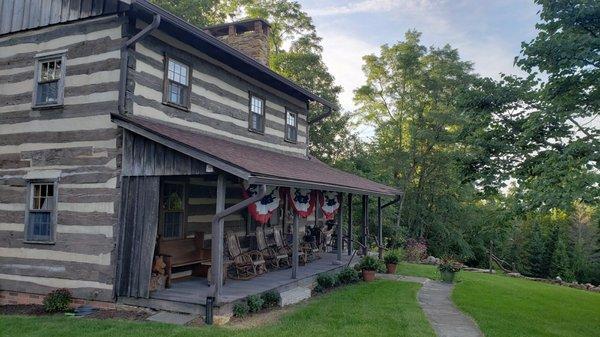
point(184, 252)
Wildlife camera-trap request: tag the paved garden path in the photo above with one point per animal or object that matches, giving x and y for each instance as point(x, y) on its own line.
point(444, 316)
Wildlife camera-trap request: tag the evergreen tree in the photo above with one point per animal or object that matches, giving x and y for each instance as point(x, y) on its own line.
point(560, 265)
point(535, 252)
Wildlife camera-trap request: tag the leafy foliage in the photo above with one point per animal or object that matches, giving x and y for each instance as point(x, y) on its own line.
point(393, 256)
point(58, 300)
point(240, 310)
point(370, 263)
point(326, 281)
point(270, 299)
point(255, 303)
point(348, 276)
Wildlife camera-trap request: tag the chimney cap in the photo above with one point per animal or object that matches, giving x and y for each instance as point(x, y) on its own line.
point(240, 26)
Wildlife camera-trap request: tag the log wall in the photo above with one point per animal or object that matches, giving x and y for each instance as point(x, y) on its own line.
point(78, 140)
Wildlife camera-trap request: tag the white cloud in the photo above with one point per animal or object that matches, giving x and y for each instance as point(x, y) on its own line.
point(370, 6)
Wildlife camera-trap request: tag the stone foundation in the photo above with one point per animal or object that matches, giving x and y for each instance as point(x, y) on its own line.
point(15, 297)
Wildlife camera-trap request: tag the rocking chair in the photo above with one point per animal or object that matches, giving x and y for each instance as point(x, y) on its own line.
point(284, 247)
point(247, 265)
point(274, 256)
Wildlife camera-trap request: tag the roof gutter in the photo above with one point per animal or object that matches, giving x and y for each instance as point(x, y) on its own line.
point(396, 199)
point(125, 58)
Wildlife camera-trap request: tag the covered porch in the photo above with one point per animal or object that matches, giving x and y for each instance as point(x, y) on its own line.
point(182, 188)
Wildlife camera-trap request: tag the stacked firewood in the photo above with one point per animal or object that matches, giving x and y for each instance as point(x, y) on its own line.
point(158, 279)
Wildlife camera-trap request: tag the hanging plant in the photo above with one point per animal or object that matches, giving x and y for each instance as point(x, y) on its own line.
point(262, 210)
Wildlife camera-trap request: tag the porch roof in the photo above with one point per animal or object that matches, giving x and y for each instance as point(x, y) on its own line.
point(255, 165)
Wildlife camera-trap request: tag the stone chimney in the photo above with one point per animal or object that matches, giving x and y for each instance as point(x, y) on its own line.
point(251, 37)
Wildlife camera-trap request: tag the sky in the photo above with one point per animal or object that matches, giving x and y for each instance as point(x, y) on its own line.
point(487, 32)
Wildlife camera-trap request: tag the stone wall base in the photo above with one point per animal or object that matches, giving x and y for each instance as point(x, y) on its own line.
point(15, 297)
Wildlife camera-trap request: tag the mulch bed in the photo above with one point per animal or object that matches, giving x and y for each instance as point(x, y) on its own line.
point(38, 310)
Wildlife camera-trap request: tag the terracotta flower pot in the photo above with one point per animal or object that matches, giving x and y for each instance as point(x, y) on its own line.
point(391, 268)
point(368, 275)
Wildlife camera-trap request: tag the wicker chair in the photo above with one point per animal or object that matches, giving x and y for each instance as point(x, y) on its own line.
point(247, 264)
point(276, 257)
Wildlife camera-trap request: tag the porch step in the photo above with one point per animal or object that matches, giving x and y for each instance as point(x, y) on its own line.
point(172, 318)
point(294, 295)
point(171, 306)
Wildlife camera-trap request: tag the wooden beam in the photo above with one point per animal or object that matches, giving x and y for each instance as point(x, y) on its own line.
point(349, 223)
point(340, 245)
point(365, 224)
point(295, 247)
point(379, 228)
point(217, 241)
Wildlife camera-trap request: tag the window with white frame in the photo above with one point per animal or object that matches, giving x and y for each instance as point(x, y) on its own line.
point(256, 117)
point(49, 80)
point(177, 83)
point(41, 211)
point(291, 126)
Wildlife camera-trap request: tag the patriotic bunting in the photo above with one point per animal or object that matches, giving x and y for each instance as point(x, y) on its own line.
point(262, 210)
point(330, 204)
point(302, 201)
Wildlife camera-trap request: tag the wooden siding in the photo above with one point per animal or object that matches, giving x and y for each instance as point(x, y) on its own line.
point(143, 157)
point(137, 235)
point(18, 15)
point(219, 98)
point(80, 141)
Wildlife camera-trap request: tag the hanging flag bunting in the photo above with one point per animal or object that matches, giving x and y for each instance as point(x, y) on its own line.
point(302, 201)
point(262, 210)
point(330, 204)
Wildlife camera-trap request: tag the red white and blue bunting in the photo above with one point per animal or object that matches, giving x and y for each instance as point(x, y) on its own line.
point(302, 201)
point(330, 203)
point(262, 210)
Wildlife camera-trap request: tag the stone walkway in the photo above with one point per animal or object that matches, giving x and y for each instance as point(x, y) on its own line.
point(444, 316)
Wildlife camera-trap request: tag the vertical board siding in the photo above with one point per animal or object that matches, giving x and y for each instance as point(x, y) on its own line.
point(18, 15)
point(137, 235)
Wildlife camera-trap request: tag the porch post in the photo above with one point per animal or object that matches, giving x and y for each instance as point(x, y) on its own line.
point(365, 223)
point(349, 223)
point(379, 228)
point(295, 247)
point(340, 245)
point(217, 241)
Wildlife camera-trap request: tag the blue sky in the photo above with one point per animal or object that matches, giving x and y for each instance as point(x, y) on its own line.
point(486, 32)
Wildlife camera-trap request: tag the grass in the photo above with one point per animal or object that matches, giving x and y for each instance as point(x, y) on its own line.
point(506, 306)
point(422, 270)
point(381, 308)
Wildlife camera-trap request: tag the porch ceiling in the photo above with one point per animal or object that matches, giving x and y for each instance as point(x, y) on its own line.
point(255, 165)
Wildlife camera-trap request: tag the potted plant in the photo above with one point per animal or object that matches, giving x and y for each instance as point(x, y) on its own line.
point(368, 265)
point(391, 260)
point(448, 269)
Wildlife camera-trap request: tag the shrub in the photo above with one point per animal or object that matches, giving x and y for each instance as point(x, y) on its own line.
point(348, 276)
point(58, 300)
point(240, 310)
point(326, 281)
point(393, 256)
point(370, 263)
point(416, 250)
point(255, 303)
point(449, 265)
point(270, 299)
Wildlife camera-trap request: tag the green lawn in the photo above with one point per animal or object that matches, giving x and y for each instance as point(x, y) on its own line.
point(505, 306)
point(381, 308)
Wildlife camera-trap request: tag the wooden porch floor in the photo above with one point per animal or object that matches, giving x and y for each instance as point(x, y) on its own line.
point(196, 289)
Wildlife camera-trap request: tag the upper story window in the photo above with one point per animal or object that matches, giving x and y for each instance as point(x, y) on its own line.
point(177, 83)
point(49, 79)
point(256, 116)
point(41, 211)
point(291, 126)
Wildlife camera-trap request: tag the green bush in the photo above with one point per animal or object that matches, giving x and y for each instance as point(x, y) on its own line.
point(240, 310)
point(326, 281)
point(255, 303)
point(393, 256)
point(270, 299)
point(370, 263)
point(348, 276)
point(58, 300)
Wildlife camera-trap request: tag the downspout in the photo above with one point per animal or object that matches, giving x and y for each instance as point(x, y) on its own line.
point(398, 198)
point(320, 117)
point(125, 59)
